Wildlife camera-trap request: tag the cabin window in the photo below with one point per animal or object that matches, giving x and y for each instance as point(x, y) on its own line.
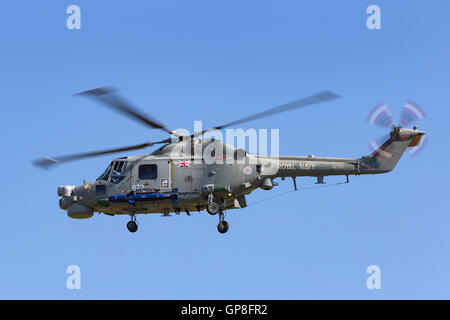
point(148, 172)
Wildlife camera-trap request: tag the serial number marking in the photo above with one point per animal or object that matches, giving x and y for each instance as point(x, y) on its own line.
point(338, 166)
point(137, 187)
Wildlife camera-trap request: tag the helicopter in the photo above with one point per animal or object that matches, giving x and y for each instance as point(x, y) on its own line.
point(193, 173)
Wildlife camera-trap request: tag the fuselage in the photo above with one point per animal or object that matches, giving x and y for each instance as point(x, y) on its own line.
point(208, 168)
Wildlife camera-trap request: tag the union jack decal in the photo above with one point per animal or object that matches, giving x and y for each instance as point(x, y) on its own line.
point(183, 164)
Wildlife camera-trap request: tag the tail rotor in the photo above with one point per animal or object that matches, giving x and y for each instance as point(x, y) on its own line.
point(381, 116)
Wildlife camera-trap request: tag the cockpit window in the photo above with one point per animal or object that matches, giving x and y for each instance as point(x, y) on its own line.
point(118, 170)
point(105, 175)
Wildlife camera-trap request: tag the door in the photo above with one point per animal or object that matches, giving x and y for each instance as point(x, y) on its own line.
point(219, 173)
point(152, 176)
point(188, 176)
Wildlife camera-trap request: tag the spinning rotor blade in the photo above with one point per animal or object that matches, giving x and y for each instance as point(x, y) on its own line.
point(108, 96)
point(300, 103)
point(411, 113)
point(380, 116)
point(47, 162)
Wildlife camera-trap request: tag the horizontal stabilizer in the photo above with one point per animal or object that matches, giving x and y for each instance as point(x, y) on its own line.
point(416, 141)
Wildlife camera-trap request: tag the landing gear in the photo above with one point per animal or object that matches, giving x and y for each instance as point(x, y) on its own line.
point(213, 208)
point(132, 225)
point(223, 226)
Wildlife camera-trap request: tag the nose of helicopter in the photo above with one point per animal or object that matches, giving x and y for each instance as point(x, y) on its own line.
point(76, 200)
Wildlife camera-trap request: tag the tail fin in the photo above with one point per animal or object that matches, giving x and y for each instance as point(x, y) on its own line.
point(386, 157)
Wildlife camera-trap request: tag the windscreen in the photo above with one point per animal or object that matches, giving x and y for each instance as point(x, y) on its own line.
point(104, 176)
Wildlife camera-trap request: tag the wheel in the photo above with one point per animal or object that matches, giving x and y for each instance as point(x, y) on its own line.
point(132, 226)
point(213, 208)
point(223, 227)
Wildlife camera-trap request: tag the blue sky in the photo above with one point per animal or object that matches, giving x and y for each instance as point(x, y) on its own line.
point(216, 61)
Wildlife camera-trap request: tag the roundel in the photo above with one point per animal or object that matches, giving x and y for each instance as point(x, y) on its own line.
point(247, 170)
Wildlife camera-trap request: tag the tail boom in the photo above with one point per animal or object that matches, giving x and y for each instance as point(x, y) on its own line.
point(382, 160)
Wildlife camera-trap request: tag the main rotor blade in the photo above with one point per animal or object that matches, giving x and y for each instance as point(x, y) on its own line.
point(47, 162)
point(108, 96)
point(300, 103)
